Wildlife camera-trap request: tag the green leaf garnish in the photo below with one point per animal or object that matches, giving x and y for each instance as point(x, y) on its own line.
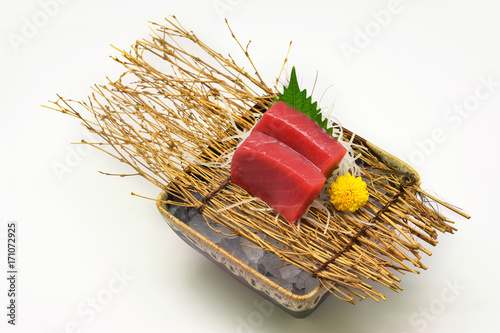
point(297, 99)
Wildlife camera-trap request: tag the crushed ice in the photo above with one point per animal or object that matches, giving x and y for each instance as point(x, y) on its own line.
point(268, 264)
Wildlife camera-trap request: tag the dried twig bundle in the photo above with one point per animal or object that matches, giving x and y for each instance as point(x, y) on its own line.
point(180, 110)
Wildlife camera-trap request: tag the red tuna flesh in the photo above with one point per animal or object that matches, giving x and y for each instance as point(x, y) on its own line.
point(303, 135)
point(277, 174)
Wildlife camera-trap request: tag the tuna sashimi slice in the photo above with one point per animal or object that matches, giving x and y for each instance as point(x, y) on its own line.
point(277, 174)
point(303, 135)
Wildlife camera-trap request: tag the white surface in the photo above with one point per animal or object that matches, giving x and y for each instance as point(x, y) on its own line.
point(75, 233)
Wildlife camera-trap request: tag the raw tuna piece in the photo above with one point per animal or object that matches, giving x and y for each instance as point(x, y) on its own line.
point(303, 135)
point(277, 174)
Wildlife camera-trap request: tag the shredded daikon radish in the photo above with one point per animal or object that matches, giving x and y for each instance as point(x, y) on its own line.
point(359, 220)
point(338, 130)
point(277, 217)
point(262, 209)
point(191, 159)
point(316, 223)
point(348, 163)
point(229, 113)
point(358, 146)
point(318, 204)
point(237, 204)
point(237, 136)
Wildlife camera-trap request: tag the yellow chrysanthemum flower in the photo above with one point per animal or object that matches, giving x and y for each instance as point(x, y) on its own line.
point(348, 193)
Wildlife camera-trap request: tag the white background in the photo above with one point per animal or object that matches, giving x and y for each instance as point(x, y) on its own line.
point(77, 230)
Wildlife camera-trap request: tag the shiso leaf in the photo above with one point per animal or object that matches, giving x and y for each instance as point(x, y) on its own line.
point(298, 99)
